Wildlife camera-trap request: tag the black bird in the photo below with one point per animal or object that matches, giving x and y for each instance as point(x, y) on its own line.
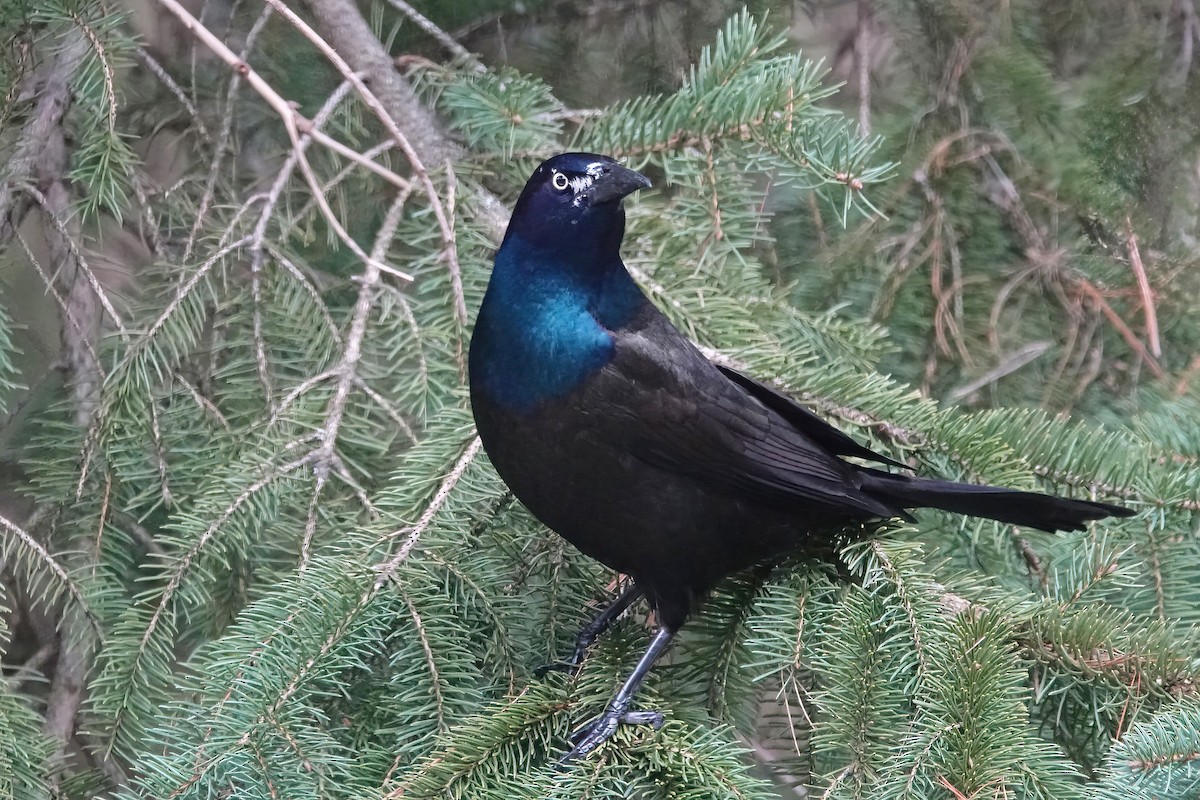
point(618, 434)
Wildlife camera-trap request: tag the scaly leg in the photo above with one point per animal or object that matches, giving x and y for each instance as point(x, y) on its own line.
point(595, 733)
point(592, 630)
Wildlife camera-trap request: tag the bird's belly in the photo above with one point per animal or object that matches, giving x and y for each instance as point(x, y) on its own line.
point(676, 537)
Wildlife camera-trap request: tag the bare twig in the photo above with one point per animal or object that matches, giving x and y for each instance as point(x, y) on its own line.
point(1139, 271)
point(448, 42)
point(1096, 296)
point(225, 134)
point(81, 263)
point(1014, 362)
point(862, 62)
point(413, 533)
point(60, 301)
point(157, 70)
point(372, 102)
point(258, 239)
point(291, 117)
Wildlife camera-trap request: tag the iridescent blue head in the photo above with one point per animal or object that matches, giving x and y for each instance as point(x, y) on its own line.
point(558, 292)
point(574, 199)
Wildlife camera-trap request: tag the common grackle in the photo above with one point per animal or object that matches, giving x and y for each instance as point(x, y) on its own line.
point(618, 434)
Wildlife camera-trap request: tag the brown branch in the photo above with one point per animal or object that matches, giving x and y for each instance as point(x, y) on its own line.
point(448, 42)
point(413, 533)
point(258, 239)
point(376, 106)
point(225, 134)
point(1096, 296)
point(52, 88)
point(291, 117)
point(351, 35)
point(1143, 282)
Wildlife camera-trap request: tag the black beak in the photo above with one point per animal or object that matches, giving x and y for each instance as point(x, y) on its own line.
point(617, 182)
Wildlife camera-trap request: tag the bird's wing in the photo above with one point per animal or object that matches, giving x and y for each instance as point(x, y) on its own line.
point(688, 417)
point(805, 421)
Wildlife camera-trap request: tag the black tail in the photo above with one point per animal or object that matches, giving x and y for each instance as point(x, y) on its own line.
point(1043, 511)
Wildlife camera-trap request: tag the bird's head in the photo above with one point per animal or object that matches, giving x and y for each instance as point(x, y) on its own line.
point(574, 200)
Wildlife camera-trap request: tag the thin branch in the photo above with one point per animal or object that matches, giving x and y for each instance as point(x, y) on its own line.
point(372, 102)
point(157, 70)
point(1095, 295)
point(257, 244)
point(1139, 271)
point(388, 409)
point(190, 284)
point(295, 121)
point(447, 41)
point(68, 315)
point(346, 370)
point(431, 511)
point(225, 134)
point(80, 261)
point(179, 570)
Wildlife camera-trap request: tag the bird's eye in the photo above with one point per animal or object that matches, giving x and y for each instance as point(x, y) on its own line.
point(560, 181)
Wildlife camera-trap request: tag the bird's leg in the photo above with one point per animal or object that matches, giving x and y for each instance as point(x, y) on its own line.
point(596, 732)
point(592, 630)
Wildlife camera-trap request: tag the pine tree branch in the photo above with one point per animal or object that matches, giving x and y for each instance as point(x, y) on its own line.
point(179, 571)
point(293, 120)
point(221, 149)
point(53, 91)
point(413, 533)
point(43, 557)
point(448, 42)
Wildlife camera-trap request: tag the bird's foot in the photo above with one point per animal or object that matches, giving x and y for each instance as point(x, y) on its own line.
point(595, 733)
point(569, 664)
point(556, 666)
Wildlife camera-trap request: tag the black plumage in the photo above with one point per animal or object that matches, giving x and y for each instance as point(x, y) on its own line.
point(621, 436)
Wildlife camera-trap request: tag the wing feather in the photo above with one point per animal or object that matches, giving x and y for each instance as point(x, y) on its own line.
point(694, 419)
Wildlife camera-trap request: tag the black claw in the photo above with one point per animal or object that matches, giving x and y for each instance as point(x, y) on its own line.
point(652, 718)
point(595, 733)
point(557, 666)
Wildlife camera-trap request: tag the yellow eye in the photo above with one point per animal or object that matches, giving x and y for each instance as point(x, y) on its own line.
point(560, 181)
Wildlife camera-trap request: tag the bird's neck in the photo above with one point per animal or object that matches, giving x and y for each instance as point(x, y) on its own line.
point(548, 322)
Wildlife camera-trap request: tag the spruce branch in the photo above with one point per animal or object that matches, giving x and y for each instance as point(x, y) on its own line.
point(221, 150)
point(132, 672)
point(413, 533)
point(294, 122)
point(42, 558)
point(68, 239)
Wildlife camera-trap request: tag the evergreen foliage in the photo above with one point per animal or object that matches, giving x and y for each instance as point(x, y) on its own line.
point(296, 575)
